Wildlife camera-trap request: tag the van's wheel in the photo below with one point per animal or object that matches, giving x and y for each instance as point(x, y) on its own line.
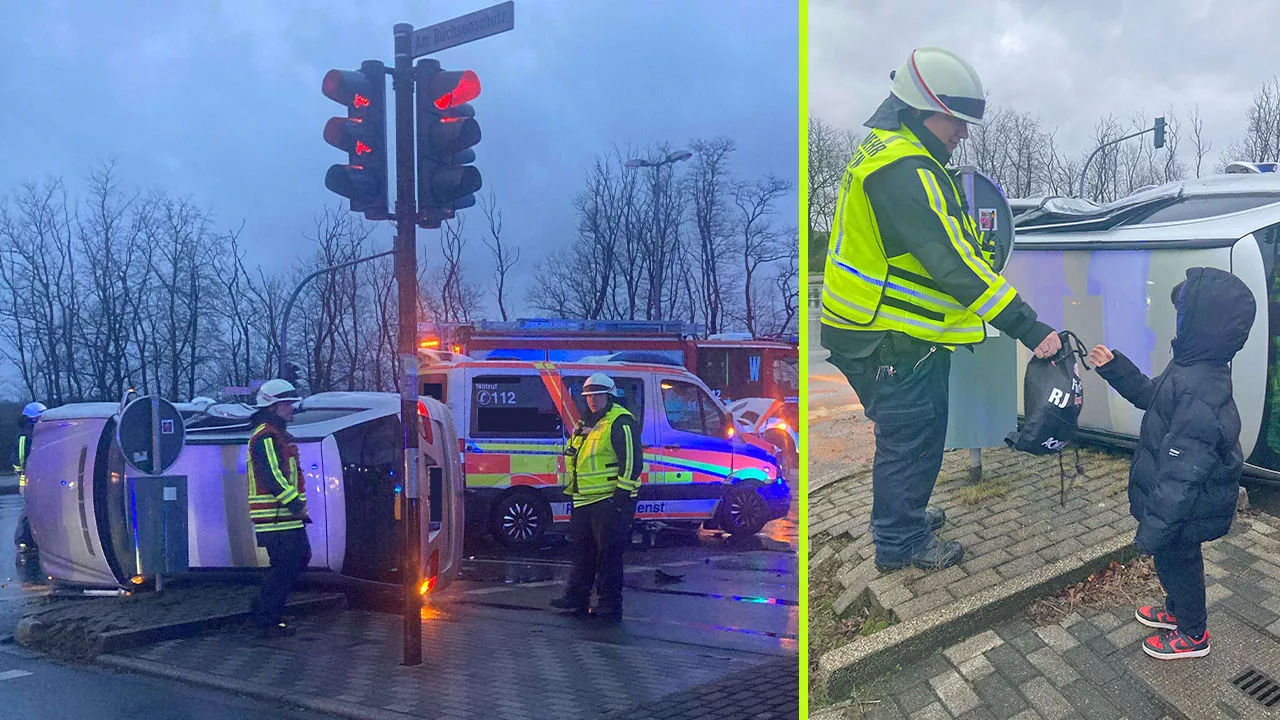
point(743, 510)
point(519, 519)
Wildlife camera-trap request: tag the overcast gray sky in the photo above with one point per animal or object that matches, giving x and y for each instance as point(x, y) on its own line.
point(1068, 63)
point(221, 102)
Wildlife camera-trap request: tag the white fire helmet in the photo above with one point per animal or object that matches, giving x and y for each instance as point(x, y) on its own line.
point(277, 390)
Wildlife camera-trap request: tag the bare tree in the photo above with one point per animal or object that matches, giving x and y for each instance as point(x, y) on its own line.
point(758, 241)
point(1261, 141)
point(709, 183)
point(504, 257)
point(1199, 143)
point(830, 150)
point(459, 299)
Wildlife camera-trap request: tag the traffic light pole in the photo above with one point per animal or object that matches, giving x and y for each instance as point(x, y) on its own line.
point(1092, 155)
point(406, 264)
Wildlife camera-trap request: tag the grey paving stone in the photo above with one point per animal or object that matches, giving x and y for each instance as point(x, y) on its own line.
point(1011, 664)
point(954, 692)
point(931, 712)
point(1090, 666)
point(1053, 667)
point(972, 647)
point(999, 696)
point(976, 668)
point(1045, 699)
point(1056, 637)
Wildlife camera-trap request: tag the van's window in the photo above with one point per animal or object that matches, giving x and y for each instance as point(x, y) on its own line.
point(690, 409)
point(434, 386)
point(786, 374)
point(307, 417)
point(1202, 206)
point(632, 390)
point(713, 368)
point(513, 406)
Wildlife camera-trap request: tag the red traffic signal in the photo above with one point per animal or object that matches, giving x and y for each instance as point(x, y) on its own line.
point(447, 130)
point(362, 134)
point(451, 89)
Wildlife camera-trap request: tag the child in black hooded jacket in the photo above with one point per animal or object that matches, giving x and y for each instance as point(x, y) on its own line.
point(1185, 476)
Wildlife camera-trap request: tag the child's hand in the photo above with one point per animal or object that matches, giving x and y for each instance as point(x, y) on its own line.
point(1100, 355)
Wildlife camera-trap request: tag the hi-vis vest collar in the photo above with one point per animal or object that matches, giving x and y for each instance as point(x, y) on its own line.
point(593, 468)
point(865, 290)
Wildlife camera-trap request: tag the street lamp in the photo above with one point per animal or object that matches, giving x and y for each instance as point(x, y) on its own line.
point(672, 157)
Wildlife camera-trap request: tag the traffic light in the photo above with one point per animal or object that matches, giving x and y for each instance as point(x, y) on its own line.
point(447, 130)
point(1159, 132)
point(362, 134)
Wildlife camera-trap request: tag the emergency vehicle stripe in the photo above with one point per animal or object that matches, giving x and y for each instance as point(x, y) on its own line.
point(290, 493)
point(954, 231)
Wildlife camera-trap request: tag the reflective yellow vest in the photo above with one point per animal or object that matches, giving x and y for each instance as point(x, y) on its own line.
point(593, 464)
point(267, 511)
point(865, 290)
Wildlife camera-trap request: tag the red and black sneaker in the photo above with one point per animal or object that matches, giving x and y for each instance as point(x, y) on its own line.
point(1155, 616)
point(1175, 645)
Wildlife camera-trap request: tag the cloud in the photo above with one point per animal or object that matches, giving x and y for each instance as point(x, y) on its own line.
point(1067, 64)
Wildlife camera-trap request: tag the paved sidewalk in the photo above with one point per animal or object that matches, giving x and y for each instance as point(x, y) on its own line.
point(1022, 539)
point(1091, 665)
point(480, 662)
point(1010, 523)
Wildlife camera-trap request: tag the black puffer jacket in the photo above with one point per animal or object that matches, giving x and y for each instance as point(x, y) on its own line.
point(1186, 471)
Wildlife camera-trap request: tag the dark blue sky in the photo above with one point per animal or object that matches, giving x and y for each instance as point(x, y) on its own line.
point(220, 101)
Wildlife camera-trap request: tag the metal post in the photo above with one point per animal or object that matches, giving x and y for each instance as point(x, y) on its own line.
point(155, 461)
point(288, 306)
point(975, 464)
point(407, 290)
point(1099, 149)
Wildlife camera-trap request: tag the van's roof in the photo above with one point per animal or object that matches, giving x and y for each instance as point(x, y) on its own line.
point(1212, 211)
point(563, 367)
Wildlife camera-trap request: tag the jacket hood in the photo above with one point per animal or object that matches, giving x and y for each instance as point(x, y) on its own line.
point(1215, 313)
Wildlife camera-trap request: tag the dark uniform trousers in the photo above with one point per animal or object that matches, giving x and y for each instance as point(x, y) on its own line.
point(290, 553)
point(903, 387)
point(598, 534)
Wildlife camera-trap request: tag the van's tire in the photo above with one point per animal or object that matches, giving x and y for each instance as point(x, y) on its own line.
point(743, 511)
point(519, 519)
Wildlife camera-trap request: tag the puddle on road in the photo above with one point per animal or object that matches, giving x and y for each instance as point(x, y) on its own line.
point(509, 572)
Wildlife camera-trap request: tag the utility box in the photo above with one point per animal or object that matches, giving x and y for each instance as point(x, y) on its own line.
point(156, 510)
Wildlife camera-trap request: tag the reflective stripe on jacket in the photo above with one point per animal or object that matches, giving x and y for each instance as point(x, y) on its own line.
point(274, 480)
point(596, 467)
point(864, 289)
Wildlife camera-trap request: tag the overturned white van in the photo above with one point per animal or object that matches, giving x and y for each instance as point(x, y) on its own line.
point(351, 455)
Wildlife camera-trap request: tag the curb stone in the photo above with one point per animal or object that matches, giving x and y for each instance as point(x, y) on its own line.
point(914, 638)
point(216, 682)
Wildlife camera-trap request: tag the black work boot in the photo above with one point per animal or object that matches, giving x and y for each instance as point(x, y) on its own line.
point(936, 518)
point(935, 556)
point(575, 606)
point(608, 610)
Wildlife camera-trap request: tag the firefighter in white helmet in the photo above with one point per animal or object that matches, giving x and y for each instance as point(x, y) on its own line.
point(604, 458)
point(277, 502)
point(908, 278)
